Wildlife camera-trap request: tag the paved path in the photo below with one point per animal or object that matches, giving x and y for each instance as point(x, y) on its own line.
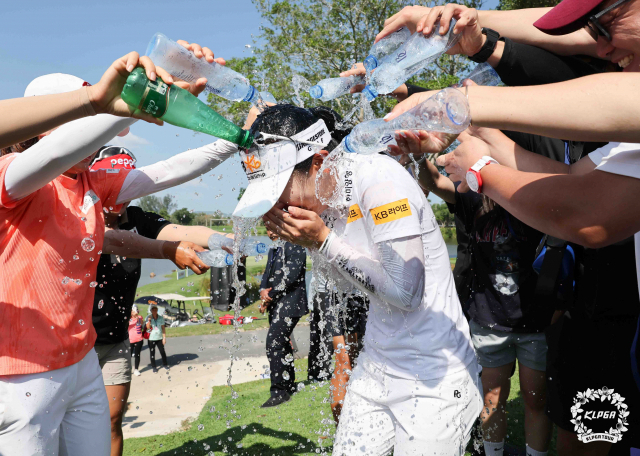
point(159, 403)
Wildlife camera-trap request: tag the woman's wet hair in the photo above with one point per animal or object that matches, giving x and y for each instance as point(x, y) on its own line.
point(20, 147)
point(287, 120)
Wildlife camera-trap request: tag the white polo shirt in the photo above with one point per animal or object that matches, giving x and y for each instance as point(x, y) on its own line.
point(382, 202)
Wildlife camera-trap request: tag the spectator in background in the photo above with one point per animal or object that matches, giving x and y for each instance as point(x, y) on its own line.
point(284, 296)
point(157, 337)
point(136, 324)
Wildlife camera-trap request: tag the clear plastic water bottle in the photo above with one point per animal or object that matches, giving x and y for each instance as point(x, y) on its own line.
point(447, 112)
point(414, 55)
point(384, 47)
point(181, 63)
point(250, 246)
point(268, 97)
point(483, 75)
point(331, 88)
point(216, 258)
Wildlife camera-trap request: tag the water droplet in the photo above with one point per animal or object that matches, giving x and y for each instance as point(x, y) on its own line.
point(65, 280)
point(286, 375)
point(93, 284)
point(88, 245)
point(76, 257)
point(28, 394)
point(81, 322)
point(201, 427)
point(100, 304)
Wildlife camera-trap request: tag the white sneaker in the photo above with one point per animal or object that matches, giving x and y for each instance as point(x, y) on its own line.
point(136, 373)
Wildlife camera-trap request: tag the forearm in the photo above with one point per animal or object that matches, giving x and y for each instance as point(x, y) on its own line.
point(59, 151)
point(196, 234)
point(583, 215)
point(26, 118)
point(432, 181)
point(595, 108)
point(518, 25)
point(127, 244)
point(397, 278)
point(174, 171)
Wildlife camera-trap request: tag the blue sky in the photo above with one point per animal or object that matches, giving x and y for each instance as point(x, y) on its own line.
point(83, 37)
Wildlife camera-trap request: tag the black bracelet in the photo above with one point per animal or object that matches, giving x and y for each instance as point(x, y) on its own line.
point(488, 47)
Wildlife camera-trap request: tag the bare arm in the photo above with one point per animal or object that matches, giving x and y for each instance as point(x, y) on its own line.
point(577, 207)
point(518, 25)
point(197, 234)
point(127, 244)
point(599, 108)
point(431, 180)
point(26, 118)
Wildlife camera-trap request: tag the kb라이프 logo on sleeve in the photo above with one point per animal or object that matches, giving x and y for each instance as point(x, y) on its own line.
point(390, 212)
point(599, 415)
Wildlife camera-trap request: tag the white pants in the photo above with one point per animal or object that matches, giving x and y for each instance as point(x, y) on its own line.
point(411, 417)
point(60, 412)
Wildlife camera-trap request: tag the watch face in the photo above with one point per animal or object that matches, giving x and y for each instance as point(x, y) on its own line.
point(472, 181)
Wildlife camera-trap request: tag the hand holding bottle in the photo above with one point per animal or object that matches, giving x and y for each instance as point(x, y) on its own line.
point(105, 95)
point(425, 20)
point(198, 85)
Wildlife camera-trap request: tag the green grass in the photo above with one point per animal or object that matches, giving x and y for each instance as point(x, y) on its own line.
point(262, 231)
point(293, 428)
point(183, 286)
point(298, 427)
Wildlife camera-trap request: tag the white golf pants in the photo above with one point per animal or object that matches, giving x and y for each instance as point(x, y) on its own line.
point(60, 412)
point(411, 417)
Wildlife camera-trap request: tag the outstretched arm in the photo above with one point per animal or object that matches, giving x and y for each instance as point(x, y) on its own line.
point(197, 234)
point(579, 110)
point(127, 244)
point(397, 278)
point(174, 171)
point(584, 214)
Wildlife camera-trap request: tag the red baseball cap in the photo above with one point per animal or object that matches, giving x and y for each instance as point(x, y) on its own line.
point(567, 17)
point(113, 157)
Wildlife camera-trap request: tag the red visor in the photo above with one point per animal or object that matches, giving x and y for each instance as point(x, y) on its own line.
point(120, 161)
point(567, 17)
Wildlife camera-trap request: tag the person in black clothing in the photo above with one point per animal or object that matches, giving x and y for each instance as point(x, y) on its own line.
point(590, 340)
point(284, 296)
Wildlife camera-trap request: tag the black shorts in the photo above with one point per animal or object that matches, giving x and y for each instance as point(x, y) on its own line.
point(592, 355)
point(343, 314)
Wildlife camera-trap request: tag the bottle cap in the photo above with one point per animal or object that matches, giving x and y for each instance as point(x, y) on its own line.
point(316, 91)
point(371, 63)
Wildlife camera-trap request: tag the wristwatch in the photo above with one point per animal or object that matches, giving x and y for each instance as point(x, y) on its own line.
point(474, 180)
point(488, 47)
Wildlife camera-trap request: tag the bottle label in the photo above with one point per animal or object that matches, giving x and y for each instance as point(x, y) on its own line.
point(155, 99)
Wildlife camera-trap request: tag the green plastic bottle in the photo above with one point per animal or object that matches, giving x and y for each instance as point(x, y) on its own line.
point(180, 108)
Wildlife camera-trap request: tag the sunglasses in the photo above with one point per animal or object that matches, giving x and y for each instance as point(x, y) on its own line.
point(593, 23)
point(110, 151)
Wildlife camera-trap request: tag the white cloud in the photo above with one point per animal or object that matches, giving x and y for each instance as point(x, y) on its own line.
point(130, 141)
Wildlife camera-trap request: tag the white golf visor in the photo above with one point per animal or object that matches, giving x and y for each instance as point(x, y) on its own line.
point(269, 168)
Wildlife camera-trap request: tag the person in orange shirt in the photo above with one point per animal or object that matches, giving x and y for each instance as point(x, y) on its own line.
point(51, 236)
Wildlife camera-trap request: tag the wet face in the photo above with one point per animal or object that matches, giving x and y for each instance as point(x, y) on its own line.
point(301, 188)
point(623, 24)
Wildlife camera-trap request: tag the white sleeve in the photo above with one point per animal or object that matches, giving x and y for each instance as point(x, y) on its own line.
point(618, 158)
point(397, 278)
point(175, 171)
point(56, 153)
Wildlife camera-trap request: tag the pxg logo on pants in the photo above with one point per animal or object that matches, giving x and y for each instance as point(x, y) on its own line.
point(599, 415)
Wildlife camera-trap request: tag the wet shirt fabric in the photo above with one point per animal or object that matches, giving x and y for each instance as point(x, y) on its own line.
point(503, 281)
point(421, 336)
point(118, 279)
point(49, 246)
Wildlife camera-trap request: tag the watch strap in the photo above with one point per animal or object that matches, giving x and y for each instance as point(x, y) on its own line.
point(488, 47)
